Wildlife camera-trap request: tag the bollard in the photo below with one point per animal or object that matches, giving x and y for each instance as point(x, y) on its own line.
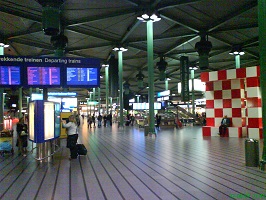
point(252, 152)
point(146, 130)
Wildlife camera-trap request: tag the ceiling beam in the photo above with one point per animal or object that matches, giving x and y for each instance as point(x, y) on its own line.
point(130, 30)
point(80, 48)
point(233, 14)
point(234, 28)
point(171, 19)
point(133, 2)
point(175, 3)
point(96, 18)
point(22, 14)
point(32, 43)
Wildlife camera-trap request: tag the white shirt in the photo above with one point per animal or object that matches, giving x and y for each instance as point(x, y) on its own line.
point(71, 128)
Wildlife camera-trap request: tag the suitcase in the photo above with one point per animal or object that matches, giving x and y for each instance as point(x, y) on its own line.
point(81, 149)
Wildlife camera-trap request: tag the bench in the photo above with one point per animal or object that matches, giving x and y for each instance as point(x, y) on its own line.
point(230, 132)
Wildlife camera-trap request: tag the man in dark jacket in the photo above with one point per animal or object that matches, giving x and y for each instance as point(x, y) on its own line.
point(224, 124)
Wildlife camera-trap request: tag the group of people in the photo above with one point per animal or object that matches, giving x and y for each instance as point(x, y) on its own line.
point(72, 130)
point(107, 119)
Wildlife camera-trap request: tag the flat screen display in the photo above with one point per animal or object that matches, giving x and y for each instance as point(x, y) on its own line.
point(10, 75)
point(83, 76)
point(41, 76)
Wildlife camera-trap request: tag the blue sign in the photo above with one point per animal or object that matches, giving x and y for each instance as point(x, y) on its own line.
point(49, 72)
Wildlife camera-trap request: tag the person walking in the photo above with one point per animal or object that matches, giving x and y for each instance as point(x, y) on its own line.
point(100, 118)
point(93, 120)
point(158, 121)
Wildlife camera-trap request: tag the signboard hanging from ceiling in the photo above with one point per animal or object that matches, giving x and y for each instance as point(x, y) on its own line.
point(49, 72)
point(184, 74)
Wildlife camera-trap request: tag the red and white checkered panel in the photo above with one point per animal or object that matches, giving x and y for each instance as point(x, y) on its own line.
point(227, 98)
point(254, 111)
point(240, 73)
point(227, 94)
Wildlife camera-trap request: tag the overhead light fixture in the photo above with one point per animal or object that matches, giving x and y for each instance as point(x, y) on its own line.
point(203, 47)
point(193, 68)
point(149, 16)
point(120, 48)
point(161, 65)
point(4, 45)
point(236, 50)
point(168, 79)
point(105, 65)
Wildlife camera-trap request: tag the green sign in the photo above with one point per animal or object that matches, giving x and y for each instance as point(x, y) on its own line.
point(184, 74)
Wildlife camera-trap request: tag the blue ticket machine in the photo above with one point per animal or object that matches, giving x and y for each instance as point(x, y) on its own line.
point(44, 121)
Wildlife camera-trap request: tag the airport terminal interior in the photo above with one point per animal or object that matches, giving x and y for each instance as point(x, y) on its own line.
point(162, 75)
point(123, 163)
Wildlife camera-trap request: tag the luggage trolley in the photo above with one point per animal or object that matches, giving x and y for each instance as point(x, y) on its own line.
point(6, 142)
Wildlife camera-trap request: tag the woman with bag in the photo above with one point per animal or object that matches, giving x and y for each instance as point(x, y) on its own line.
point(22, 136)
point(72, 136)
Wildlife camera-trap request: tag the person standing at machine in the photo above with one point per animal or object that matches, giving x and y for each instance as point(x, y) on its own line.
point(72, 136)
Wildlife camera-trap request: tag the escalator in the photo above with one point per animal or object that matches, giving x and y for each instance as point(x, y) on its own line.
point(184, 116)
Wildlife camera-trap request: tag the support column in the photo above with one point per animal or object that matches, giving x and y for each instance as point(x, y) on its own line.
point(166, 84)
point(111, 103)
point(262, 50)
point(59, 52)
point(237, 60)
point(120, 69)
point(138, 99)
point(20, 102)
point(192, 91)
point(107, 88)
point(99, 100)
point(1, 99)
point(94, 99)
point(45, 94)
point(93, 94)
point(150, 76)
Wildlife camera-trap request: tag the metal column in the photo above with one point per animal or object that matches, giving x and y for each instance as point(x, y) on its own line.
point(262, 50)
point(121, 101)
point(150, 76)
point(106, 88)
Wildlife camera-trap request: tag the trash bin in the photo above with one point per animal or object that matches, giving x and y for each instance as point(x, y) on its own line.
point(252, 152)
point(146, 130)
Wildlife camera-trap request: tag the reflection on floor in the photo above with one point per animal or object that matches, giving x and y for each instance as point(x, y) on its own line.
point(124, 164)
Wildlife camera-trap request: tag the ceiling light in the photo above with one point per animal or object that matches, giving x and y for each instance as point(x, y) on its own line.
point(105, 65)
point(4, 45)
point(236, 50)
point(154, 17)
point(193, 68)
point(120, 48)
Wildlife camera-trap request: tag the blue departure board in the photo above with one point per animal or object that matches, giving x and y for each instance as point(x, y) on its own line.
point(43, 76)
point(82, 76)
point(10, 75)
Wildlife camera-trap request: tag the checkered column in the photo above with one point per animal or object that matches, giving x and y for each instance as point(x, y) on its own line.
point(254, 111)
point(226, 95)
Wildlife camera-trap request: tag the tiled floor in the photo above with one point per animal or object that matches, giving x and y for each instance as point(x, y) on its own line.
point(124, 164)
